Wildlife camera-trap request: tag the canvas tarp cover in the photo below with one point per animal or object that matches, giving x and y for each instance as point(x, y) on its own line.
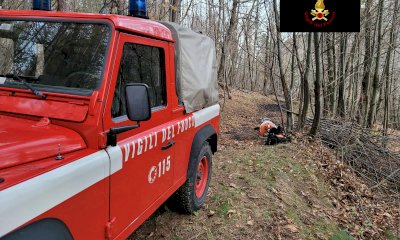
point(196, 69)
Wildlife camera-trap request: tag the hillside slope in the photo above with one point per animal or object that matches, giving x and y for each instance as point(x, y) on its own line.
point(289, 191)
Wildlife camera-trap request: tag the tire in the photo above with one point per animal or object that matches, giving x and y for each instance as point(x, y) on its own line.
point(191, 196)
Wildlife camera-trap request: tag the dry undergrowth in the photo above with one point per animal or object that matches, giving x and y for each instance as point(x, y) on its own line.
point(290, 191)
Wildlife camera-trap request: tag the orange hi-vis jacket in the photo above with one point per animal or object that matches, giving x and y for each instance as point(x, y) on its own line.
point(265, 127)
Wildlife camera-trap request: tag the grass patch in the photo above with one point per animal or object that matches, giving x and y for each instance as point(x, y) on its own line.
point(177, 238)
point(266, 215)
point(341, 235)
point(223, 208)
point(391, 236)
point(292, 214)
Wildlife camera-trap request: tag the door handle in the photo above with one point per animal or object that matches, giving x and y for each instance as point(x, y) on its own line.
point(169, 145)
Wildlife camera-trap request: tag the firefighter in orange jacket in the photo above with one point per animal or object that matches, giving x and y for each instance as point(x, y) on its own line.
point(265, 127)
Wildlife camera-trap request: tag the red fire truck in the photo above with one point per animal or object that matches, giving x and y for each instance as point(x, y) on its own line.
point(103, 118)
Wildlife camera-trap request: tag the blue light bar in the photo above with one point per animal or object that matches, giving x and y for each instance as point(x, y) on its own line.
point(138, 8)
point(42, 5)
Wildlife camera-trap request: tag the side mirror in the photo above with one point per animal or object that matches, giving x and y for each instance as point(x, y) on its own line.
point(138, 109)
point(138, 106)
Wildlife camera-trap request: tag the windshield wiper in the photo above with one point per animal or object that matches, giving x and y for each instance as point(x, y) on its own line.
point(22, 80)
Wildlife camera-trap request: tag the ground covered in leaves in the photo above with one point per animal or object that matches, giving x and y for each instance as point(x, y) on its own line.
point(290, 191)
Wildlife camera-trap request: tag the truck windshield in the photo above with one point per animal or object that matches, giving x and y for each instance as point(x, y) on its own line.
point(65, 57)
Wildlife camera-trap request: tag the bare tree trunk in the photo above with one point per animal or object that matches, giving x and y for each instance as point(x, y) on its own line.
point(342, 75)
point(247, 25)
point(174, 11)
point(292, 68)
point(367, 62)
point(317, 89)
point(336, 85)
point(325, 78)
point(268, 45)
point(386, 74)
point(255, 39)
point(265, 91)
point(301, 72)
point(271, 72)
point(305, 85)
point(227, 40)
point(331, 75)
point(355, 109)
point(375, 84)
point(286, 92)
point(349, 73)
point(248, 78)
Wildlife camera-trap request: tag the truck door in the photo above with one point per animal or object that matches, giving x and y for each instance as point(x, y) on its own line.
point(148, 151)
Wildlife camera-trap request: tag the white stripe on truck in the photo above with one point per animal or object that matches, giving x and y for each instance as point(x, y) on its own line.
point(27, 200)
point(115, 154)
point(206, 114)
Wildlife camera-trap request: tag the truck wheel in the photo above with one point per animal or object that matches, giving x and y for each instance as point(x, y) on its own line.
point(192, 195)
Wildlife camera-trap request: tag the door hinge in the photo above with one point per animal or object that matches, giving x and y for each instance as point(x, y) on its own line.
point(109, 228)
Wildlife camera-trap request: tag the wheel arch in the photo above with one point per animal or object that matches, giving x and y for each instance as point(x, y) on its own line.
point(44, 229)
point(205, 134)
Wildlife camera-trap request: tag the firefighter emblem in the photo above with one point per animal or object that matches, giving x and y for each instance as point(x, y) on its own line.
point(319, 13)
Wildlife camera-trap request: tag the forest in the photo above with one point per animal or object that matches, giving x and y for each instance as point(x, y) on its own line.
point(340, 87)
point(348, 76)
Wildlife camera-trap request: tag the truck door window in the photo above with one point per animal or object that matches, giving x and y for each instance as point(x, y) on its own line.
point(140, 64)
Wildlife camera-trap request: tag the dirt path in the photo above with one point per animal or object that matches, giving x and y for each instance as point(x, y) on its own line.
point(280, 192)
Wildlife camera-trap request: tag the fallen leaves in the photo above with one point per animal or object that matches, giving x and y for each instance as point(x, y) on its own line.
point(232, 185)
point(231, 211)
point(292, 228)
point(355, 206)
point(252, 197)
point(211, 213)
point(250, 222)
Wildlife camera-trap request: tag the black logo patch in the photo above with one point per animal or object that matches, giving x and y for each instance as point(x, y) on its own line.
point(320, 16)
